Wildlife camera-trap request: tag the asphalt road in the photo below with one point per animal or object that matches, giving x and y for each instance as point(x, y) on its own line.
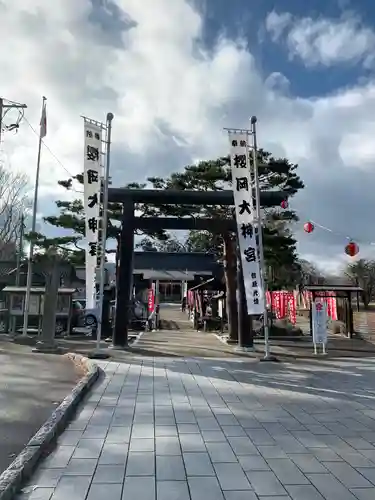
point(31, 387)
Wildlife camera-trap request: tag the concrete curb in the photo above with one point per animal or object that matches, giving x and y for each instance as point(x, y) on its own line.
point(23, 466)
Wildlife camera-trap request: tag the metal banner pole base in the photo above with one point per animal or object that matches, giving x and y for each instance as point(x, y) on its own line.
point(270, 358)
point(47, 348)
point(119, 347)
point(244, 348)
point(324, 351)
point(96, 354)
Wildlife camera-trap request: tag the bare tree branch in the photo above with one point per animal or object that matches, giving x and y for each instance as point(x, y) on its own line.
point(13, 203)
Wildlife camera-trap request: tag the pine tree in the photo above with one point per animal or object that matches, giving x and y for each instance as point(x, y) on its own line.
point(278, 175)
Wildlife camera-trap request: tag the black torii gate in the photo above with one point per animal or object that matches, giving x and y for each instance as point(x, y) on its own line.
point(128, 198)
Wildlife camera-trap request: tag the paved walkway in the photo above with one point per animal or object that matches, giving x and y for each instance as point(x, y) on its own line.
point(182, 343)
point(211, 429)
point(181, 339)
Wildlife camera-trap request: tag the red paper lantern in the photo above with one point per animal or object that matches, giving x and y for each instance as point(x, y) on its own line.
point(308, 227)
point(351, 249)
point(284, 204)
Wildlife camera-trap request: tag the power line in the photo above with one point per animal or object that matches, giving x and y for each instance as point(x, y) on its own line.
point(53, 155)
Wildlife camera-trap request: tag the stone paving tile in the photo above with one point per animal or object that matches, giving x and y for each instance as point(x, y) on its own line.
point(272, 452)
point(308, 464)
point(231, 477)
point(88, 448)
point(41, 494)
point(305, 492)
point(59, 458)
point(213, 436)
point(100, 491)
point(118, 435)
point(109, 474)
point(348, 476)
point(194, 430)
point(193, 442)
point(286, 471)
point(242, 495)
point(72, 487)
point(364, 494)
point(198, 464)
point(81, 467)
point(140, 464)
point(172, 490)
point(329, 487)
point(170, 468)
point(139, 488)
point(48, 478)
point(205, 488)
point(368, 473)
point(167, 445)
point(221, 452)
point(253, 462)
point(265, 483)
point(113, 454)
point(70, 438)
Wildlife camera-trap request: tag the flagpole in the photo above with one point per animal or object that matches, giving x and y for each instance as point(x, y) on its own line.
point(42, 134)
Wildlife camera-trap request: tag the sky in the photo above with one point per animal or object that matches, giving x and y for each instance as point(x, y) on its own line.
point(175, 73)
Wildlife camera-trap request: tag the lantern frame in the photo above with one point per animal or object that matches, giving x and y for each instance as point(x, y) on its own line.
point(284, 204)
point(308, 227)
point(352, 249)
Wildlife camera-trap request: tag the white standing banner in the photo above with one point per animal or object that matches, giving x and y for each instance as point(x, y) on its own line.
point(245, 217)
point(92, 181)
point(319, 322)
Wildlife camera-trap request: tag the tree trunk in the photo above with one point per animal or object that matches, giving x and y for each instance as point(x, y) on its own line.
point(118, 239)
point(365, 299)
point(52, 281)
point(230, 273)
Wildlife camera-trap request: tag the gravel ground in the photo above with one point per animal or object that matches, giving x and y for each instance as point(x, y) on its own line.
point(31, 387)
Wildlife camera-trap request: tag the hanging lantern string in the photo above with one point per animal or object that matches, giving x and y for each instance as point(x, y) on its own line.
point(341, 235)
point(330, 230)
point(285, 205)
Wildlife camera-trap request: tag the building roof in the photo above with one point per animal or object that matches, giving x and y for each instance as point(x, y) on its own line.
point(194, 262)
point(38, 289)
point(170, 275)
point(6, 267)
point(333, 288)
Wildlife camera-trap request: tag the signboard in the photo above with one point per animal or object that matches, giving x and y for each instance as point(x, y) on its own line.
point(245, 217)
point(91, 183)
point(319, 322)
point(151, 298)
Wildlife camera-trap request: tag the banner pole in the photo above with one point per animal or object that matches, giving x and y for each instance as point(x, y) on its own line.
point(104, 238)
point(267, 352)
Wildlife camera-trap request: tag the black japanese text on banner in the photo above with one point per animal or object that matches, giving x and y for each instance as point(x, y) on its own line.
point(245, 215)
point(92, 181)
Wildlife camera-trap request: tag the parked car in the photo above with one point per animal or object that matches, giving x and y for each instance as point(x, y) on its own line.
point(83, 316)
point(90, 317)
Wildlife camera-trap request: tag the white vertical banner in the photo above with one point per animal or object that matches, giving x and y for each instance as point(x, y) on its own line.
point(245, 217)
point(319, 321)
point(92, 180)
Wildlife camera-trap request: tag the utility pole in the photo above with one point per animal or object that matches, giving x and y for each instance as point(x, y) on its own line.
point(18, 264)
point(5, 107)
point(20, 250)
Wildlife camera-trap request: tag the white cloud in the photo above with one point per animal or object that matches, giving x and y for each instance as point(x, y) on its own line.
point(277, 23)
point(323, 41)
point(171, 99)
